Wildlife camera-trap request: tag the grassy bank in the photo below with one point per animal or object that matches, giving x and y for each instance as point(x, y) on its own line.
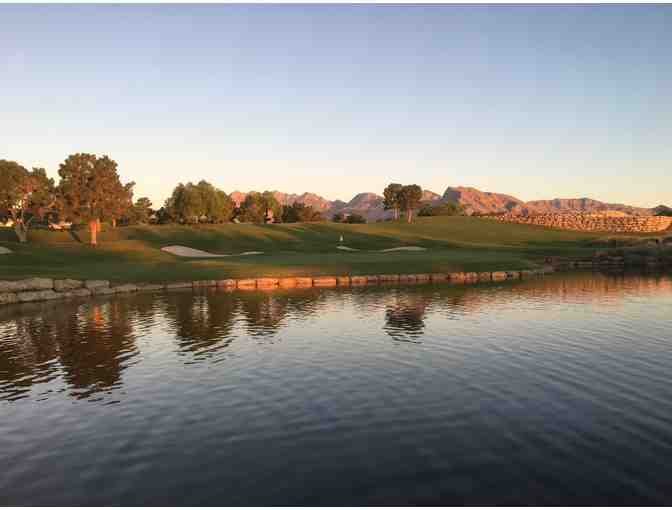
point(128, 254)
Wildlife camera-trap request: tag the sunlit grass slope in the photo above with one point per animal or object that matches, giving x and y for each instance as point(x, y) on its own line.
point(133, 253)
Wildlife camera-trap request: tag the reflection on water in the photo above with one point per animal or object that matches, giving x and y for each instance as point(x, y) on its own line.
point(89, 344)
point(413, 394)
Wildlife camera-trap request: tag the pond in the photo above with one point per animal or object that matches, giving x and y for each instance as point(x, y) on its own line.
point(547, 391)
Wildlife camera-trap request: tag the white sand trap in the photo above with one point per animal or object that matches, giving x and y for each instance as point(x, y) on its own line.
point(407, 248)
point(5, 251)
point(185, 251)
point(400, 248)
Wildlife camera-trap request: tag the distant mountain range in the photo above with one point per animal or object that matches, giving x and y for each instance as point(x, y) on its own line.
point(370, 205)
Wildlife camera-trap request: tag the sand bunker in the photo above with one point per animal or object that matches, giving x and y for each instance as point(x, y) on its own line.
point(185, 251)
point(400, 248)
point(5, 251)
point(407, 248)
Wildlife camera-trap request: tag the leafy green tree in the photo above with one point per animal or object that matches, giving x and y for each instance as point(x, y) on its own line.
point(202, 202)
point(391, 199)
point(217, 205)
point(272, 208)
point(409, 199)
point(123, 206)
point(252, 208)
point(443, 209)
point(24, 195)
point(186, 205)
point(142, 210)
point(260, 208)
point(300, 213)
point(90, 191)
point(338, 218)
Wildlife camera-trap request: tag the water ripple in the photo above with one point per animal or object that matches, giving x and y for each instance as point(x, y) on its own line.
point(550, 391)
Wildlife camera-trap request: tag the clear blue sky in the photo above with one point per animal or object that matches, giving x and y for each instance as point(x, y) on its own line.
point(539, 102)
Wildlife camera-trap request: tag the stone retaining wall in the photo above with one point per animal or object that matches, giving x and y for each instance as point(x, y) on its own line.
point(593, 222)
point(45, 289)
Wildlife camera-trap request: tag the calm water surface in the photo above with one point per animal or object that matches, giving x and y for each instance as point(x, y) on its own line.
point(539, 392)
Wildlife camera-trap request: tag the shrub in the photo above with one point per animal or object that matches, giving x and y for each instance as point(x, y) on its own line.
point(355, 218)
point(443, 209)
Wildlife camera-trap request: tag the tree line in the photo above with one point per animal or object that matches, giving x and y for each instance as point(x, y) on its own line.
point(90, 191)
point(204, 203)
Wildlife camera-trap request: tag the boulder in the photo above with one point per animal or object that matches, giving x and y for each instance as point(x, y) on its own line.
point(150, 287)
point(287, 283)
point(127, 287)
point(67, 284)
point(101, 291)
point(37, 295)
point(96, 284)
point(358, 280)
point(247, 283)
point(38, 284)
point(76, 293)
point(343, 280)
point(8, 286)
point(204, 283)
point(499, 275)
point(324, 281)
point(388, 277)
point(178, 285)
point(267, 282)
point(7, 298)
point(28, 284)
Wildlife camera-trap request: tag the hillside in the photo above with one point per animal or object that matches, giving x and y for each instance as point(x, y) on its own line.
point(474, 201)
point(483, 202)
point(312, 199)
point(577, 205)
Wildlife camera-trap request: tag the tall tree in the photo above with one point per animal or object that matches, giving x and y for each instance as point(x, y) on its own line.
point(90, 191)
point(142, 210)
point(24, 195)
point(272, 208)
point(260, 208)
point(185, 203)
point(192, 203)
point(409, 199)
point(123, 206)
point(217, 207)
point(391, 198)
point(252, 208)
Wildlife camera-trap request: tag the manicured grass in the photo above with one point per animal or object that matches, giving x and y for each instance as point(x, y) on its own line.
point(129, 254)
